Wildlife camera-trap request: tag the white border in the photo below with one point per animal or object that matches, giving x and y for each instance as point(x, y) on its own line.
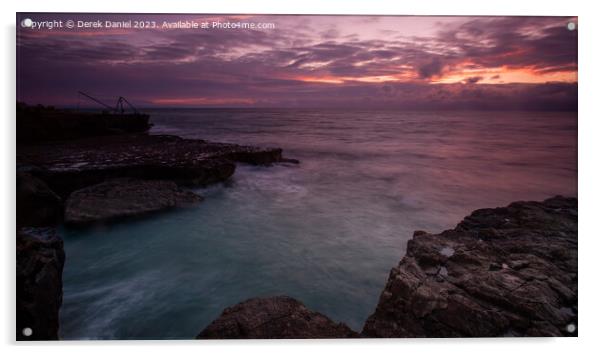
point(590, 175)
point(365, 7)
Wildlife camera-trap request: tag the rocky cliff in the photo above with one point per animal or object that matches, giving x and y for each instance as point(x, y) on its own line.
point(501, 272)
point(40, 260)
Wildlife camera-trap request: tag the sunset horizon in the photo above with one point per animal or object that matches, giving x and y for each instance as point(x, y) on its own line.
point(405, 62)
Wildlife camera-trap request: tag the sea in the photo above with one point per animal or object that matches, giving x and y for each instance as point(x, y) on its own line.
point(326, 231)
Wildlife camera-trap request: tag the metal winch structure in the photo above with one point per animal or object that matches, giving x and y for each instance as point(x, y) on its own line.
point(121, 107)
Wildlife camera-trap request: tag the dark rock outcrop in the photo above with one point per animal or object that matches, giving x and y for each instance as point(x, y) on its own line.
point(274, 317)
point(67, 166)
point(124, 197)
point(40, 260)
point(41, 123)
point(37, 205)
point(501, 272)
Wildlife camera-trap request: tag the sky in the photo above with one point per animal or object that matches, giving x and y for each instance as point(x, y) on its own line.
point(364, 62)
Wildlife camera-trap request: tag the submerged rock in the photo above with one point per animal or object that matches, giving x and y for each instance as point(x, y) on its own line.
point(40, 260)
point(274, 317)
point(124, 197)
point(504, 271)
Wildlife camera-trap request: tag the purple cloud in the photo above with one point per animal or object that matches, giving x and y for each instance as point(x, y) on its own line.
point(309, 65)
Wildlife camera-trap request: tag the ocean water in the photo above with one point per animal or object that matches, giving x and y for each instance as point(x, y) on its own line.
point(326, 231)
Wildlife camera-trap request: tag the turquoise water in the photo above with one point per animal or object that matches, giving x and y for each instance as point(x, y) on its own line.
point(326, 231)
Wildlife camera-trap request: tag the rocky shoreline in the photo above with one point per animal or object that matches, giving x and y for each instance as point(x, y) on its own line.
point(69, 165)
point(130, 173)
point(91, 179)
point(508, 271)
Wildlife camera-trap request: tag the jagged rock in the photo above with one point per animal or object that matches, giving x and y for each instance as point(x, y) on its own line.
point(274, 317)
point(124, 197)
point(70, 165)
point(40, 260)
point(504, 271)
point(37, 205)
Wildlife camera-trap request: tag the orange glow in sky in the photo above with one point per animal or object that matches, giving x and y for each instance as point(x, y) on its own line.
point(505, 75)
point(502, 75)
